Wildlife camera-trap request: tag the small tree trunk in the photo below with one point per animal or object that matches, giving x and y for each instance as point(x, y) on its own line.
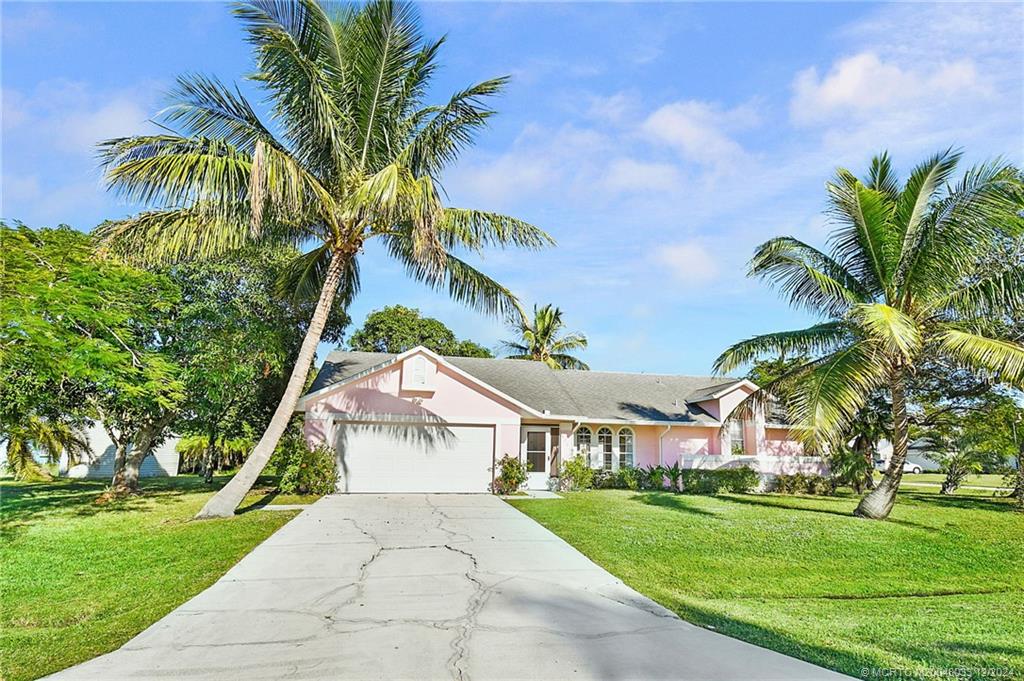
point(879, 502)
point(208, 456)
point(224, 502)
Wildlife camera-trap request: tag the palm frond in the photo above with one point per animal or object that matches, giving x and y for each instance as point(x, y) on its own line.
point(814, 340)
point(881, 177)
point(445, 131)
point(893, 330)
point(202, 106)
point(569, 362)
point(862, 240)
point(303, 278)
point(386, 39)
point(812, 280)
point(828, 396)
point(1003, 358)
point(475, 229)
point(463, 282)
point(171, 171)
point(990, 296)
point(912, 210)
point(300, 63)
point(963, 227)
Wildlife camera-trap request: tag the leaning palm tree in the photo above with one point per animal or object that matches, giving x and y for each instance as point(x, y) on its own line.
point(541, 340)
point(902, 282)
point(352, 154)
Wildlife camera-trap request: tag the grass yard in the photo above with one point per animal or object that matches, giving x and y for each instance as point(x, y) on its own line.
point(938, 586)
point(79, 579)
point(982, 480)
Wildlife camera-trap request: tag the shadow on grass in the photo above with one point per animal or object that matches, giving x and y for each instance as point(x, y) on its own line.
point(675, 502)
point(972, 502)
point(263, 501)
point(22, 503)
point(790, 503)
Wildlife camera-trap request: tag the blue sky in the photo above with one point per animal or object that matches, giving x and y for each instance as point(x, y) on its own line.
point(658, 143)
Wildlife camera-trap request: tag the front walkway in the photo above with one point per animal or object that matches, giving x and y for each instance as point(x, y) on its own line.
point(428, 587)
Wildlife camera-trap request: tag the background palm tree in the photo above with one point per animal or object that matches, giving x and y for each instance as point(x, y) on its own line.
point(903, 282)
point(541, 340)
point(49, 437)
point(353, 154)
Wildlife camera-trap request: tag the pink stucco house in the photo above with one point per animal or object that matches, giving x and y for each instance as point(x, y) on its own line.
point(419, 422)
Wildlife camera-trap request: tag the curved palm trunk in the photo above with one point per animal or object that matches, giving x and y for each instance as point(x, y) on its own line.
point(224, 502)
point(878, 504)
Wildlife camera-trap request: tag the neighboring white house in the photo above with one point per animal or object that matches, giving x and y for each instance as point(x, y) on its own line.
point(920, 454)
point(100, 463)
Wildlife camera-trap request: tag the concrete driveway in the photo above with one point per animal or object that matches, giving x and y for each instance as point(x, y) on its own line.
point(428, 587)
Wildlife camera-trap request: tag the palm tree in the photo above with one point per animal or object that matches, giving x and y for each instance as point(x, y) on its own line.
point(48, 436)
point(352, 155)
point(541, 340)
point(903, 282)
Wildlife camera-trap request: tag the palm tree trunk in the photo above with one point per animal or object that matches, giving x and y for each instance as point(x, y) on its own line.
point(224, 502)
point(878, 504)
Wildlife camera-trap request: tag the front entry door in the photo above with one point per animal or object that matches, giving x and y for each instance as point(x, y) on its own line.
point(537, 453)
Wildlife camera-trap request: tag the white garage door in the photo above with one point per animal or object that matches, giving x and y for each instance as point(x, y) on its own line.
point(415, 458)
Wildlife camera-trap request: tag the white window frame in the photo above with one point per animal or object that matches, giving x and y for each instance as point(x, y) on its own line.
point(607, 458)
point(576, 441)
point(632, 447)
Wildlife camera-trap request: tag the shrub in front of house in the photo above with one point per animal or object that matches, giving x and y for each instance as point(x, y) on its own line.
point(803, 483)
point(511, 475)
point(576, 474)
point(307, 471)
point(740, 480)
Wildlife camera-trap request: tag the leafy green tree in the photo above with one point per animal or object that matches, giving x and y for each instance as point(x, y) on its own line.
point(235, 337)
point(353, 154)
point(904, 281)
point(543, 339)
point(79, 338)
point(397, 328)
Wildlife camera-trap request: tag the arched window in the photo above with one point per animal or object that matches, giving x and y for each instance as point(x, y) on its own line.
point(583, 441)
point(604, 445)
point(625, 448)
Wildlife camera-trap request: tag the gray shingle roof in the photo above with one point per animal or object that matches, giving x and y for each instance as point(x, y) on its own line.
point(595, 395)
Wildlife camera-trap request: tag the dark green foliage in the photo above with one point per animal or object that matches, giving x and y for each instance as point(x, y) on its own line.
point(850, 468)
point(739, 480)
point(803, 483)
point(397, 328)
point(300, 468)
point(511, 475)
point(576, 474)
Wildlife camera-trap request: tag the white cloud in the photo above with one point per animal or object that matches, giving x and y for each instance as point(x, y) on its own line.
point(72, 116)
point(864, 84)
point(631, 175)
point(688, 262)
point(699, 131)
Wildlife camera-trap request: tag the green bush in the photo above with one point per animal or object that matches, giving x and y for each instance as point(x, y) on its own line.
point(576, 474)
point(742, 480)
point(307, 471)
point(629, 478)
point(511, 475)
point(804, 483)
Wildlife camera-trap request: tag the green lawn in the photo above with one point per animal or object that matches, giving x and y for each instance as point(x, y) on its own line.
point(79, 579)
point(940, 585)
point(982, 480)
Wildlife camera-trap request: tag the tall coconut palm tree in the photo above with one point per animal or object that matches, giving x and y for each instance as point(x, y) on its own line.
point(902, 282)
point(541, 340)
point(352, 154)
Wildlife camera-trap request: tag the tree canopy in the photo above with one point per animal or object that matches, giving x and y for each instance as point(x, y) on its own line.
point(397, 328)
